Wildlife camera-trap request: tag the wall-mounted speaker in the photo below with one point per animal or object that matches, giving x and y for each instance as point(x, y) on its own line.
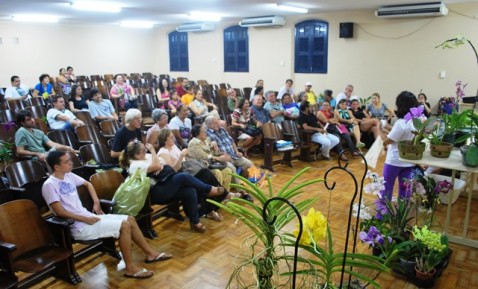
point(346, 30)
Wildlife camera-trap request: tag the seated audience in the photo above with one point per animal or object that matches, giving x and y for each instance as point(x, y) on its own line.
point(422, 99)
point(287, 89)
point(17, 91)
point(200, 107)
point(377, 109)
point(124, 92)
point(77, 102)
point(181, 126)
point(259, 83)
point(101, 109)
point(260, 114)
point(160, 118)
point(331, 100)
point(326, 116)
point(309, 95)
point(292, 111)
point(227, 146)
point(259, 91)
point(44, 88)
point(174, 103)
point(61, 195)
point(188, 97)
point(242, 118)
point(70, 74)
point(33, 142)
point(347, 94)
point(274, 107)
point(232, 99)
point(181, 88)
point(162, 93)
point(130, 131)
point(60, 118)
point(309, 121)
point(366, 123)
point(344, 116)
point(64, 82)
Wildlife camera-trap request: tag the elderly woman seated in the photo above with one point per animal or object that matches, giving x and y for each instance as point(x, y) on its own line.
point(160, 118)
point(174, 157)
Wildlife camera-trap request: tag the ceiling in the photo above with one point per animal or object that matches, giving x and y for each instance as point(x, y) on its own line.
point(173, 12)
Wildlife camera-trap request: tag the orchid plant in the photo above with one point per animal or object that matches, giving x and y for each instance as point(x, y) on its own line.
point(420, 123)
point(433, 248)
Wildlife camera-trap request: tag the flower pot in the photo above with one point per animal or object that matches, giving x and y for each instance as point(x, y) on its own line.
point(466, 159)
point(442, 150)
point(425, 275)
point(410, 151)
point(408, 266)
point(449, 138)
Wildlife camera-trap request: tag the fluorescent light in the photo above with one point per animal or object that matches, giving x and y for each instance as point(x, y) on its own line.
point(292, 8)
point(204, 16)
point(137, 24)
point(35, 18)
point(96, 6)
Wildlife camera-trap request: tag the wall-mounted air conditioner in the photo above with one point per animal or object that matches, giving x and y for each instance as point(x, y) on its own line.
point(262, 21)
point(413, 10)
point(194, 27)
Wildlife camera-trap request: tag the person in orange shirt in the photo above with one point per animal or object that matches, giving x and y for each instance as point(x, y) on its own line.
point(189, 96)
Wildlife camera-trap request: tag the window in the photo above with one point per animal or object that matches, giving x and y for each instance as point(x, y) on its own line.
point(178, 51)
point(311, 46)
point(236, 49)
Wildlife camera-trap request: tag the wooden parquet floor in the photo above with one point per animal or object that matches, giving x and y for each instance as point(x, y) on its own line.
point(205, 261)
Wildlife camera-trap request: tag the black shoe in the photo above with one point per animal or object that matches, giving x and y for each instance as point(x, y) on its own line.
point(175, 215)
point(247, 197)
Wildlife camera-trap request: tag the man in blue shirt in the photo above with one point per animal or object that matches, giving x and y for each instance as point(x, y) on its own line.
point(260, 114)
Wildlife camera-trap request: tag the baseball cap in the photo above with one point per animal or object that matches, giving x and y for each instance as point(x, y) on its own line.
point(308, 84)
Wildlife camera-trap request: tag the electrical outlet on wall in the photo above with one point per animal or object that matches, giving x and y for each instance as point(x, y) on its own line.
point(442, 74)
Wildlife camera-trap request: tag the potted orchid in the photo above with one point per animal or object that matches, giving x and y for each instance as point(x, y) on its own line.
point(433, 249)
point(413, 150)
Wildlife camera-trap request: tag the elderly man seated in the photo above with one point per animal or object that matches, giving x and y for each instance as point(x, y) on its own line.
point(226, 145)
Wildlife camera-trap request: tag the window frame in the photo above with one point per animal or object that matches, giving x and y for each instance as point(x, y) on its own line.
point(178, 59)
point(311, 54)
point(239, 34)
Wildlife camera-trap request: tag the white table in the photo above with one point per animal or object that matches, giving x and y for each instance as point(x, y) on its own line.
point(453, 163)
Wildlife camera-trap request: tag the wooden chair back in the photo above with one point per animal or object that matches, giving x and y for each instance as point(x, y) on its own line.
point(7, 116)
point(85, 116)
point(15, 104)
point(36, 101)
point(88, 134)
point(64, 137)
point(37, 111)
point(109, 128)
point(23, 172)
point(106, 183)
point(41, 125)
point(97, 152)
point(247, 92)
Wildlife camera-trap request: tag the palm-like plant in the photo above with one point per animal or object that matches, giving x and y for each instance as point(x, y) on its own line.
point(251, 214)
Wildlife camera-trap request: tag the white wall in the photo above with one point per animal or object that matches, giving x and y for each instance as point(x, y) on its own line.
point(385, 55)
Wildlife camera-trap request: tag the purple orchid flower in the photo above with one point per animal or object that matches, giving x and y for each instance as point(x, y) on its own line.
point(415, 112)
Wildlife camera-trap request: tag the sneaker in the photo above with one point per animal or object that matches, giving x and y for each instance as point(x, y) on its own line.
point(325, 155)
point(360, 145)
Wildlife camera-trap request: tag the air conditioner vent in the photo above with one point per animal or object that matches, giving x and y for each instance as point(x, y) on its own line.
point(413, 10)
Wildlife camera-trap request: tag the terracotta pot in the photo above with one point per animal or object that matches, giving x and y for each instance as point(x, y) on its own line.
point(410, 151)
point(442, 150)
point(425, 276)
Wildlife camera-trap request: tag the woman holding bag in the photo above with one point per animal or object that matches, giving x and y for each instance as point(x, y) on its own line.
point(167, 185)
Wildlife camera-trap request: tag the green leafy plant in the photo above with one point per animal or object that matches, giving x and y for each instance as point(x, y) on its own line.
point(6, 152)
point(264, 247)
point(432, 246)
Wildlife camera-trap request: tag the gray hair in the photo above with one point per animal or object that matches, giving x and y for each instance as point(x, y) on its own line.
point(209, 119)
point(131, 114)
point(269, 92)
point(157, 113)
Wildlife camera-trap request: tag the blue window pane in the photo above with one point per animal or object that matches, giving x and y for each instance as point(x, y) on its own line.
point(311, 46)
point(178, 51)
point(236, 49)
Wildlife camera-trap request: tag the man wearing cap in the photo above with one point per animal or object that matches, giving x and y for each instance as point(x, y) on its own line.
point(308, 94)
point(287, 89)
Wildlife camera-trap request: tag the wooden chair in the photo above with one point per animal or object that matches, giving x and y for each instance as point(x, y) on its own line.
point(109, 128)
point(64, 137)
point(37, 111)
point(23, 172)
point(146, 105)
point(26, 245)
point(88, 134)
point(247, 91)
point(36, 101)
point(272, 133)
point(85, 116)
point(106, 183)
point(16, 104)
point(224, 85)
point(97, 152)
point(7, 131)
point(96, 77)
point(7, 116)
point(301, 139)
point(41, 125)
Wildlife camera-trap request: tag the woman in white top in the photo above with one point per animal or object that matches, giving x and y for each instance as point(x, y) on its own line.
point(200, 106)
point(167, 185)
point(401, 130)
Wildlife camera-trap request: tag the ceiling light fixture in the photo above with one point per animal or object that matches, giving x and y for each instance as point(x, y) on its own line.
point(204, 16)
point(292, 8)
point(35, 18)
point(96, 6)
point(137, 24)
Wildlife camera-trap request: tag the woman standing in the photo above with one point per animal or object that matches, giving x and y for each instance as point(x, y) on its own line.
point(76, 101)
point(124, 92)
point(401, 130)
